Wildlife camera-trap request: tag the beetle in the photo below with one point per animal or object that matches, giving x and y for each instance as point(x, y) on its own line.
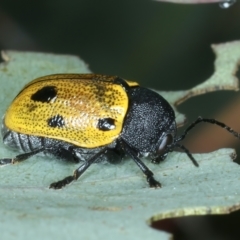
point(90, 118)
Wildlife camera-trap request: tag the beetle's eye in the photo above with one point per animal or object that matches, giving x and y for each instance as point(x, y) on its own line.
point(167, 140)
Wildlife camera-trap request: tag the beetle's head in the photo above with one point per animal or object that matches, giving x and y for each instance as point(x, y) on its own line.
point(149, 127)
point(164, 145)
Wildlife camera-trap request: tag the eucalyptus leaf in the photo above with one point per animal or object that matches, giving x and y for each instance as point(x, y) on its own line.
point(108, 201)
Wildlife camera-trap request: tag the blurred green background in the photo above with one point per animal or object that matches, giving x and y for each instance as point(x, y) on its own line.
point(161, 45)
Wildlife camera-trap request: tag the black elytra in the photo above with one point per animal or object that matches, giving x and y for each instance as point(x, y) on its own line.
point(149, 130)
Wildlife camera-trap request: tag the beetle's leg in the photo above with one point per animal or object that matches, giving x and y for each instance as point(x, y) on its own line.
point(148, 173)
point(78, 172)
point(170, 149)
point(20, 157)
point(5, 161)
point(65, 154)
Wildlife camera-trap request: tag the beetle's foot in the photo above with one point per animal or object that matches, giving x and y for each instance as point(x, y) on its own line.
point(62, 183)
point(153, 183)
point(5, 161)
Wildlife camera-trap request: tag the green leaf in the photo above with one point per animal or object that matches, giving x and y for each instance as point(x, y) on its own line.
point(108, 200)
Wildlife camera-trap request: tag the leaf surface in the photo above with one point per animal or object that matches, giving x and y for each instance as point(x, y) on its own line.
point(108, 200)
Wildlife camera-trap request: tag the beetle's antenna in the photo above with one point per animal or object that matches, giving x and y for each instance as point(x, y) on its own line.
point(188, 153)
point(212, 121)
point(199, 120)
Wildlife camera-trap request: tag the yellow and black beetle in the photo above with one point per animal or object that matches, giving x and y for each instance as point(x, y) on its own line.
point(89, 118)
